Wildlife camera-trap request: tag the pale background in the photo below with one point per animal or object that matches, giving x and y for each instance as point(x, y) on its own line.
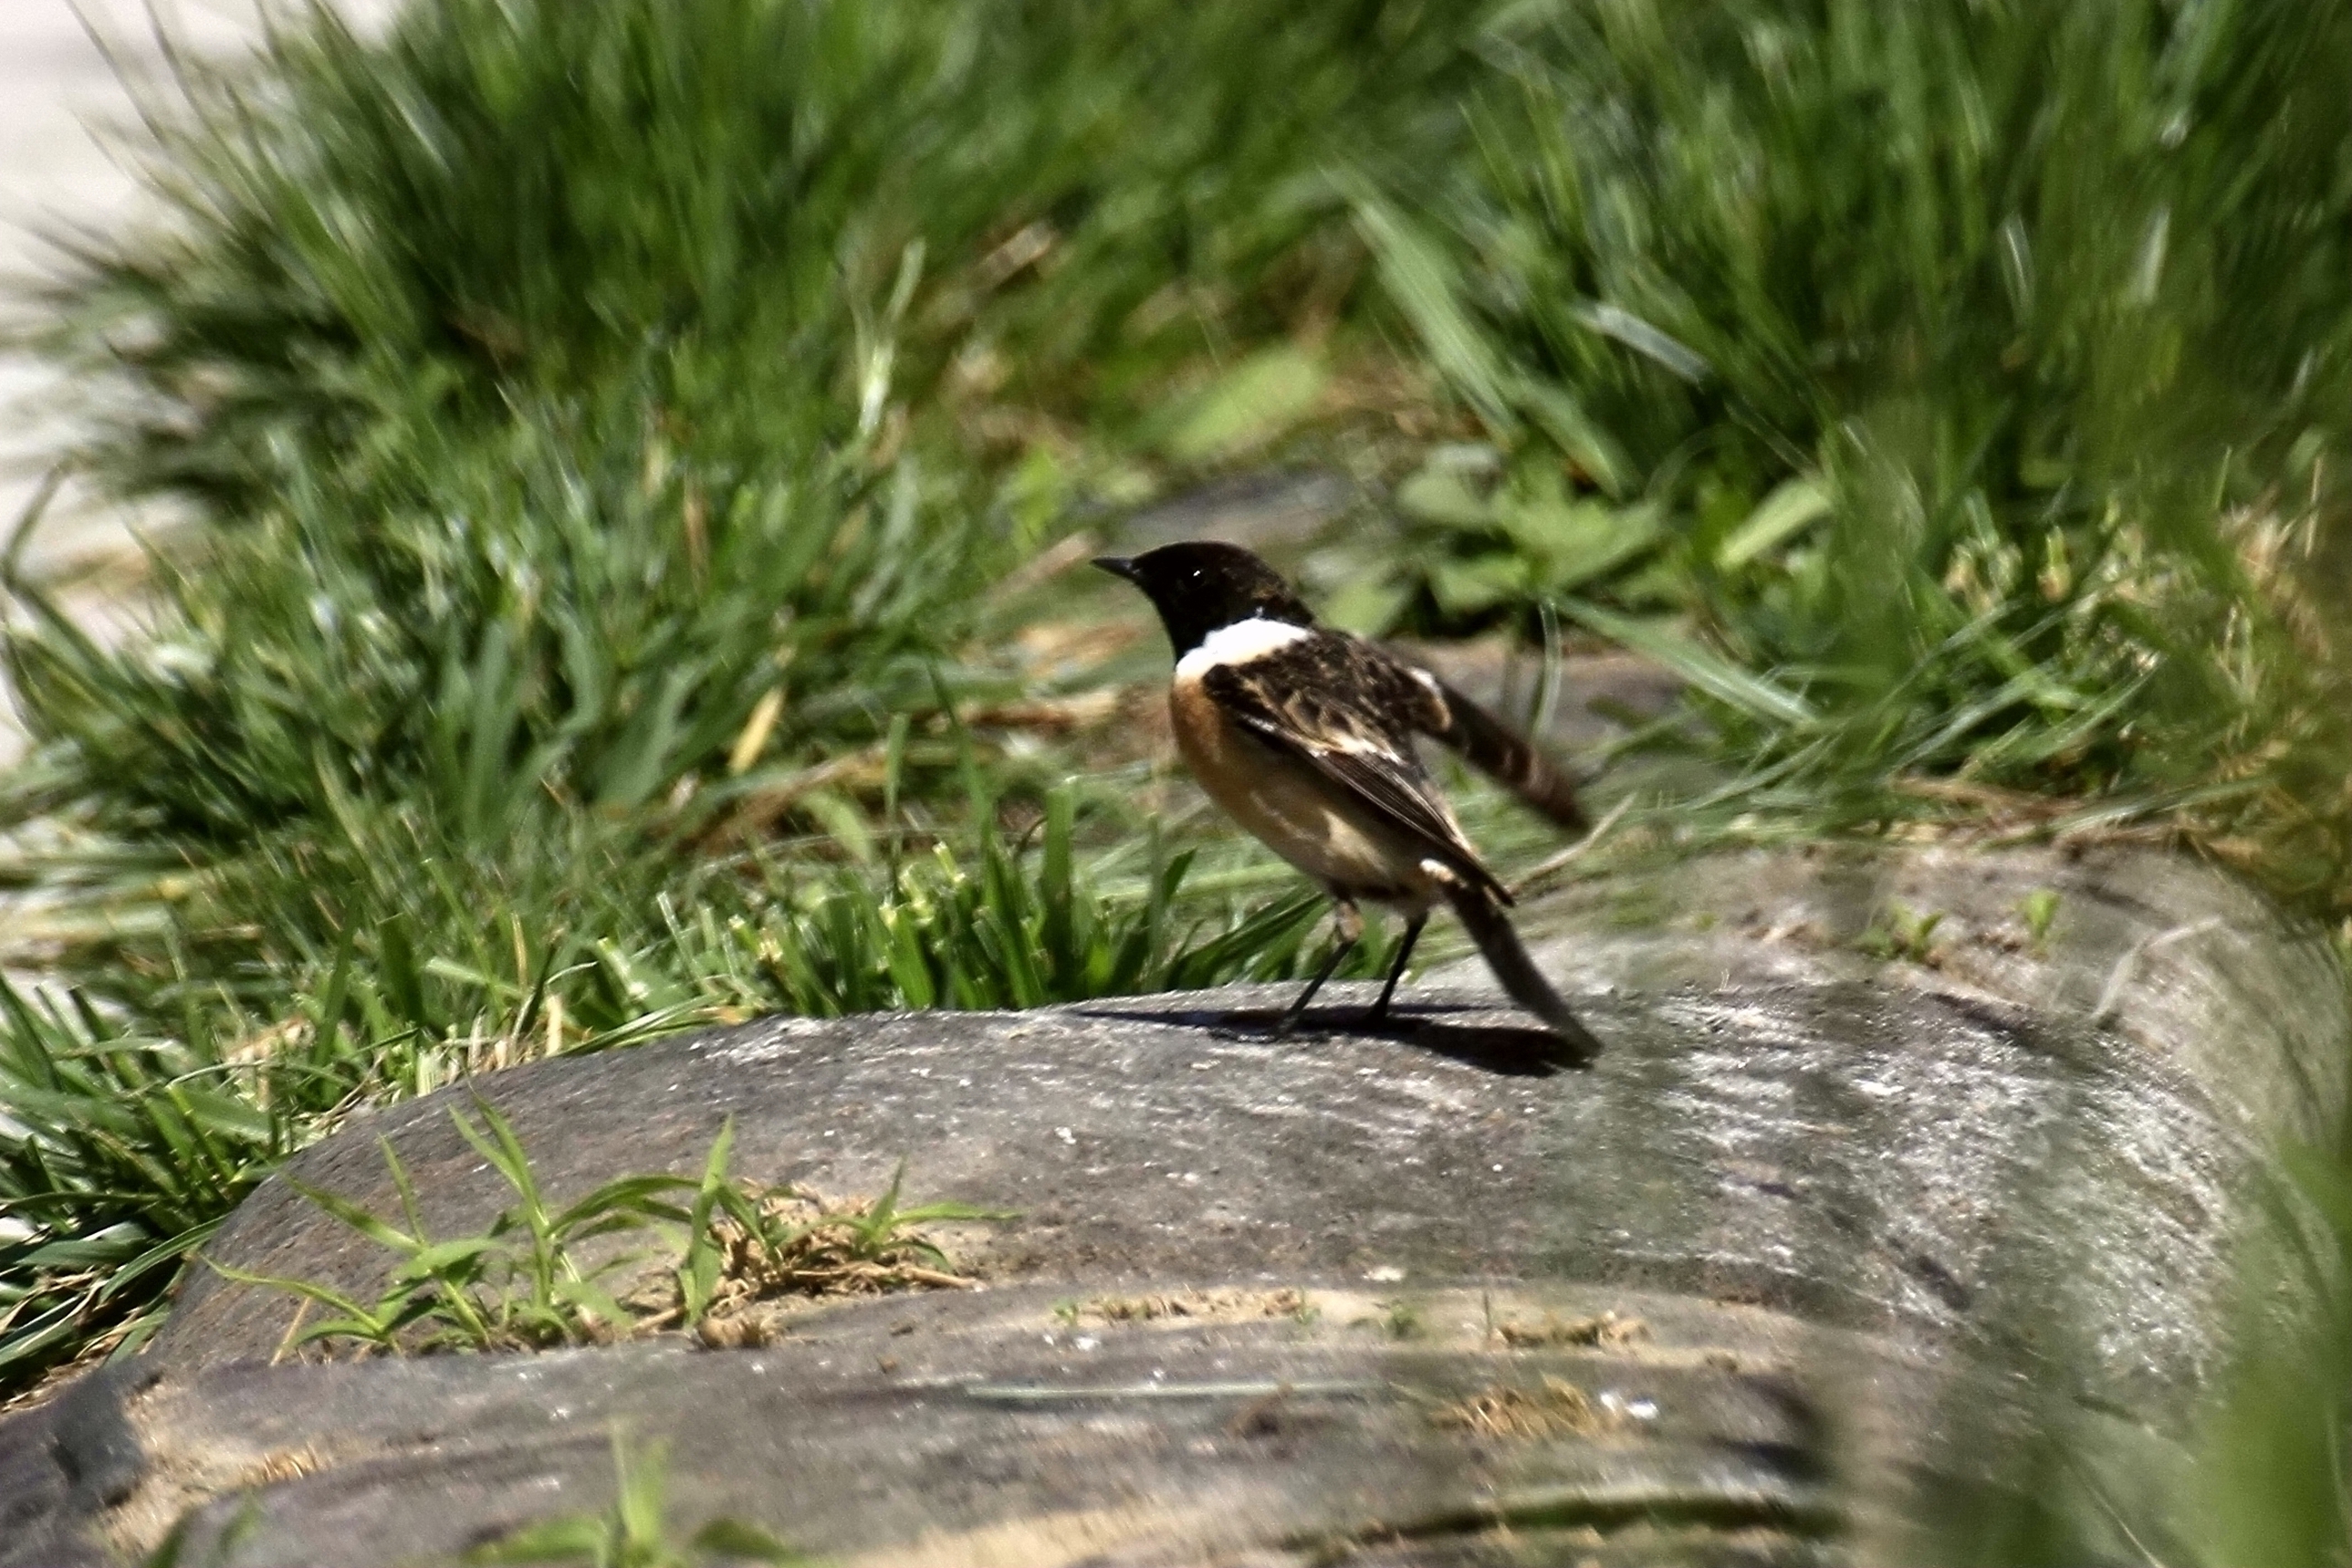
point(59, 97)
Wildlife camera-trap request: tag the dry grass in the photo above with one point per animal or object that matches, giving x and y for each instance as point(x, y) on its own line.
point(1557, 1408)
point(1198, 1306)
point(806, 1249)
point(1608, 1331)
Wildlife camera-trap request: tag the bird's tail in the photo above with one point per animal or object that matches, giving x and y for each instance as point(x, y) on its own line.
point(1482, 915)
point(1486, 744)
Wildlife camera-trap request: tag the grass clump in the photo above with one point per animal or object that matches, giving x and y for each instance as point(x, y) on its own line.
point(1608, 1331)
point(1193, 1306)
point(1898, 933)
point(521, 1284)
point(2272, 1482)
point(122, 1150)
point(1504, 1412)
point(748, 219)
point(136, 1127)
point(755, 1247)
point(495, 638)
point(537, 1277)
point(1960, 456)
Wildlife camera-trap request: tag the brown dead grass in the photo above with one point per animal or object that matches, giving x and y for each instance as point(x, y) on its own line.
point(1198, 1306)
point(1557, 1408)
point(824, 1258)
point(278, 1465)
point(1608, 1331)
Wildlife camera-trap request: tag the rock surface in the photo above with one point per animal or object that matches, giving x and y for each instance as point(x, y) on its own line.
point(1878, 1221)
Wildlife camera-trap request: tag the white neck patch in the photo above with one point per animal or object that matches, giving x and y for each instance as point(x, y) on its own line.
point(1239, 644)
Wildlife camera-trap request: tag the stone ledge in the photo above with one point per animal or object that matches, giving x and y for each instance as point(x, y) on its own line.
point(1881, 1219)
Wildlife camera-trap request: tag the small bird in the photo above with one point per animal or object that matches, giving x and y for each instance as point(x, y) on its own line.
point(1306, 736)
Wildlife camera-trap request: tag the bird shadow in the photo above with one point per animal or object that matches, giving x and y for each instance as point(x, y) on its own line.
point(1468, 1035)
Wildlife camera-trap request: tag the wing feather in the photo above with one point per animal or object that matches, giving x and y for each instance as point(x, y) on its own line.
point(1350, 713)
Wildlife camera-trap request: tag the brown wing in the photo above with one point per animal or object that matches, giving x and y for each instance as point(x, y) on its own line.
point(1350, 712)
point(1486, 744)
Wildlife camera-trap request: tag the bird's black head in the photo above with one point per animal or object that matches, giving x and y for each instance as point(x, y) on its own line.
point(1200, 586)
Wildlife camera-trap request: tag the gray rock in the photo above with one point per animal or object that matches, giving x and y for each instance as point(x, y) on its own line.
point(980, 1427)
point(67, 1462)
point(1888, 1224)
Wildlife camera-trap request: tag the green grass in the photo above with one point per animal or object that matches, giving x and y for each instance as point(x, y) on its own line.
point(634, 1532)
point(766, 228)
point(525, 1283)
point(1970, 378)
point(602, 431)
point(538, 1278)
point(2275, 1487)
point(138, 1127)
point(583, 417)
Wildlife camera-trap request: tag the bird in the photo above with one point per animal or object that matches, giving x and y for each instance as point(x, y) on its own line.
point(1304, 735)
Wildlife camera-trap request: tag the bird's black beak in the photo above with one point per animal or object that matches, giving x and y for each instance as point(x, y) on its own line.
point(1118, 566)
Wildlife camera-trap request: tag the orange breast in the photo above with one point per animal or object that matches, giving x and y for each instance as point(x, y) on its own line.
point(1290, 808)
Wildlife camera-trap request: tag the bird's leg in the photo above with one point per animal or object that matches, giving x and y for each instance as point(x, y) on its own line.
point(1350, 926)
point(1396, 970)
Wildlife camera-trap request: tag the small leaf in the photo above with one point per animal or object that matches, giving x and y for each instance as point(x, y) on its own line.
point(644, 1490)
point(1614, 322)
point(1247, 407)
point(930, 1214)
point(375, 1329)
point(322, 1294)
point(625, 1198)
point(567, 1539)
point(843, 821)
point(592, 1298)
point(1557, 411)
point(1577, 540)
point(358, 1218)
point(438, 1258)
point(501, 1148)
point(232, 1114)
point(1709, 672)
point(1465, 587)
point(745, 1542)
point(1793, 506)
point(1443, 496)
point(1369, 604)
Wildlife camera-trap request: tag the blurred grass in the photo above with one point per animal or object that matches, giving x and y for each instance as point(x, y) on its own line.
point(607, 436)
point(2275, 1484)
point(716, 215)
point(1971, 376)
